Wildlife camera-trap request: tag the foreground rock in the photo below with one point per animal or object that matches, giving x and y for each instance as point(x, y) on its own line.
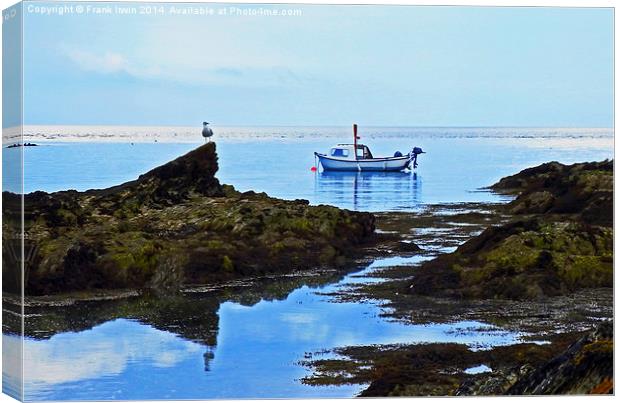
point(173, 225)
point(587, 366)
point(560, 241)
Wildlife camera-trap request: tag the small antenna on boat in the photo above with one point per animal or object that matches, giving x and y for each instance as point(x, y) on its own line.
point(355, 138)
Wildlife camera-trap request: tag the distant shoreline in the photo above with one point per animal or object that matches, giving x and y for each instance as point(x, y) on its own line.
point(184, 134)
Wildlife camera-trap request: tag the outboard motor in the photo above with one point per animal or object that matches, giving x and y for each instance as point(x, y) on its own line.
point(413, 156)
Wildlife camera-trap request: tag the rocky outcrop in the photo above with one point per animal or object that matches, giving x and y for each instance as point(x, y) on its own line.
point(522, 260)
point(175, 225)
point(190, 175)
point(585, 190)
point(583, 367)
point(561, 240)
point(586, 367)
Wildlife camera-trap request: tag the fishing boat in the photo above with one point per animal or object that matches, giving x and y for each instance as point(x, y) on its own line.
point(357, 157)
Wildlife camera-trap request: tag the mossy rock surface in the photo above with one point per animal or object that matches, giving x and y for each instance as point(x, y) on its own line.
point(584, 189)
point(560, 240)
point(176, 223)
point(522, 260)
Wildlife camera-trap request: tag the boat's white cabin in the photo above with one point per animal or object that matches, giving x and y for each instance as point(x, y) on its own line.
point(345, 151)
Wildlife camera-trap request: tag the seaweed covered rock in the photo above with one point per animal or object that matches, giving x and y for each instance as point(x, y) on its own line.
point(584, 189)
point(191, 174)
point(176, 225)
point(522, 260)
point(583, 366)
point(561, 241)
point(586, 367)
point(572, 363)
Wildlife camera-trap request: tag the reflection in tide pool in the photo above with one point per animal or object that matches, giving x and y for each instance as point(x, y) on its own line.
point(256, 354)
point(80, 362)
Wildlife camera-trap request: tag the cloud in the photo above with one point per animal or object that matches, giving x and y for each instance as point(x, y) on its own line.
point(189, 70)
point(57, 360)
point(229, 72)
point(108, 62)
point(299, 317)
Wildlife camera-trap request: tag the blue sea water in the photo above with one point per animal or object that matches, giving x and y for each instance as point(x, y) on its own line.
point(259, 344)
point(457, 163)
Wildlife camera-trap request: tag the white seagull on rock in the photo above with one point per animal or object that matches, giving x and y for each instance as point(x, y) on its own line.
point(206, 132)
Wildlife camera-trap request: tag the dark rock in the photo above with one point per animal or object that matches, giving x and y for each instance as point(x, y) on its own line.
point(522, 260)
point(440, 369)
point(564, 244)
point(493, 384)
point(176, 224)
point(585, 189)
point(586, 367)
point(194, 171)
point(408, 247)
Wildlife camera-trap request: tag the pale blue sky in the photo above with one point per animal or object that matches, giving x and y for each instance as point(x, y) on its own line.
point(374, 65)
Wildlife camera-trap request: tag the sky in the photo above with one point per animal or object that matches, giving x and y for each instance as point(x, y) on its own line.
point(331, 65)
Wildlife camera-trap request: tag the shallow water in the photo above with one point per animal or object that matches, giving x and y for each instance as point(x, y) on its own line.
point(246, 340)
point(255, 352)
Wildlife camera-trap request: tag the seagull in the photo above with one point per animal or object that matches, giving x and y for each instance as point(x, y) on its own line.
point(206, 132)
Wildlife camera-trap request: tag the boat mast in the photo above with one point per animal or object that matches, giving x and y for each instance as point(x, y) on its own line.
point(355, 138)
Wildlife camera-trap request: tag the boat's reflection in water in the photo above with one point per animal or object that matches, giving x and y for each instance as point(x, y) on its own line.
point(370, 191)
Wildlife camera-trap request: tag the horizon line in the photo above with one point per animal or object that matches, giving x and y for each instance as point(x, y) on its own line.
point(323, 125)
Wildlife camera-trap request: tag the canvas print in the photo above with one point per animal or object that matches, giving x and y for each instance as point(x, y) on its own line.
point(240, 201)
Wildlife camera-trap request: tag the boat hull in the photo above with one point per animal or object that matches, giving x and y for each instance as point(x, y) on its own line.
point(394, 164)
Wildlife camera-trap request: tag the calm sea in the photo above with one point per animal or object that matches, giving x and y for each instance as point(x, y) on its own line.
point(277, 160)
